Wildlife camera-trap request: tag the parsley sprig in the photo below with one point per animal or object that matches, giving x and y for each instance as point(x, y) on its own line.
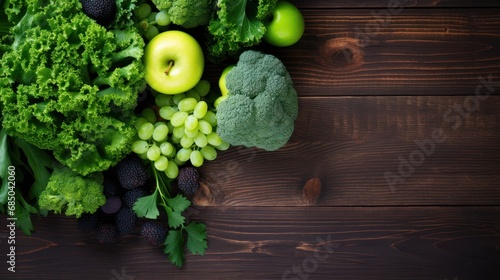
point(191, 235)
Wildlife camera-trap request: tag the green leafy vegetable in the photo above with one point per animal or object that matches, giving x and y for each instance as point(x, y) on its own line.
point(197, 234)
point(174, 247)
point(175, 242)
point(70, 86)
point(238, 24)
point(146, 206)
point(11, 165)
point(72, 194)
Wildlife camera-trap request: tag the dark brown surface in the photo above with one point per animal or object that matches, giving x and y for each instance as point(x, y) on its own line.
point(365, 104)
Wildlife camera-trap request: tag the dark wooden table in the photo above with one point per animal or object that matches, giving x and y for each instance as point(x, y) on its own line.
point(400, 121)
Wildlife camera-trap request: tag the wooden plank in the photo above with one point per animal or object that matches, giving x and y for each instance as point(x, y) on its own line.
point(272, 243)
point(416, 52)
point(351, 142)
point(384, 4)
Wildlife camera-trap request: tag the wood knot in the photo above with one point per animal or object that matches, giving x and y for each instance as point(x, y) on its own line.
point(342, 53)
point(311, 191)
point(207, 195)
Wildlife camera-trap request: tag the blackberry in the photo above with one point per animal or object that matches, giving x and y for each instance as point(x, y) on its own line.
point(110, 187)
point(131, 172)
point(154, 233)
point(188, 180)
point(106, 233)
point(102, 11)
point(125, 220)
point(112, 205)
point(131, 196)
point(88, 222)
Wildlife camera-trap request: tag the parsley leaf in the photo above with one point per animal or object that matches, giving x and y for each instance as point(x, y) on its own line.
point(146, 206)
point(178, 203)
point(175, 219)
point(197, 238)
point(174, 247)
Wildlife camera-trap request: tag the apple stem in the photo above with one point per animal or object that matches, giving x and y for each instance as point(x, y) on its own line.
point(170, 64)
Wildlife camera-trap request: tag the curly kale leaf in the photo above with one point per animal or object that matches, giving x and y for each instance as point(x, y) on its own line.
point(70, 86)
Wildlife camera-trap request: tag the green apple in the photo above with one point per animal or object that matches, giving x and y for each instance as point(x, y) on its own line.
point(222, 79)
point(174, 62)
point(286, 26)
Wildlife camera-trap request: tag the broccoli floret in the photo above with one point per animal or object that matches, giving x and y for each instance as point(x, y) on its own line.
point(71, 193)
point(186, 13)
point(261, 106)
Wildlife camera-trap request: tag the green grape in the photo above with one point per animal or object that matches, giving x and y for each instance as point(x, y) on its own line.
point(219, 100)
point(140, 147)
point(154, 92)
point(160, 133)
point(178, 118)
point(162, 18)
point(211, 118)
point(208, 152)
point(202, 87)
point(167, 148)
point(191, 123)
point(142, 11)
point(167, 112)
point(214, 139)
point(146, 131)
point(178, 162)
point(170, 127)
point(191, 133)
point(172, 170)
point(161, 163)
point(196, 158)
point(204, 127)
point(178, 97)
point(223, 146)
point(187, 104)
point(164, 100)
point(154, 152)
point(143, 156)
point(152, 18)
point(139, 121)
point(175, 140)
point(178, 132)
point(183, 154)
point(200, 110)
point(193, 94)
point(149, 114)
point(186, 142)
point(200, 139)
point(151, 32)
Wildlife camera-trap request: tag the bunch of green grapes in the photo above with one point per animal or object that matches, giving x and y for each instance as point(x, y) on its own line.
point(181, 130)
point(150, 22)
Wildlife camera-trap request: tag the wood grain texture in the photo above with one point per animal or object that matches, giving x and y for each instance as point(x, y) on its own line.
point(383, 4)
point(371, 83)
point(349, 143)
point(266, 242)
point(416, 52)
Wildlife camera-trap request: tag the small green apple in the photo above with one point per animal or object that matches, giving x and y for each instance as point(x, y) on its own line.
point(174, 62)
point(222, 79)
point(286, 26)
